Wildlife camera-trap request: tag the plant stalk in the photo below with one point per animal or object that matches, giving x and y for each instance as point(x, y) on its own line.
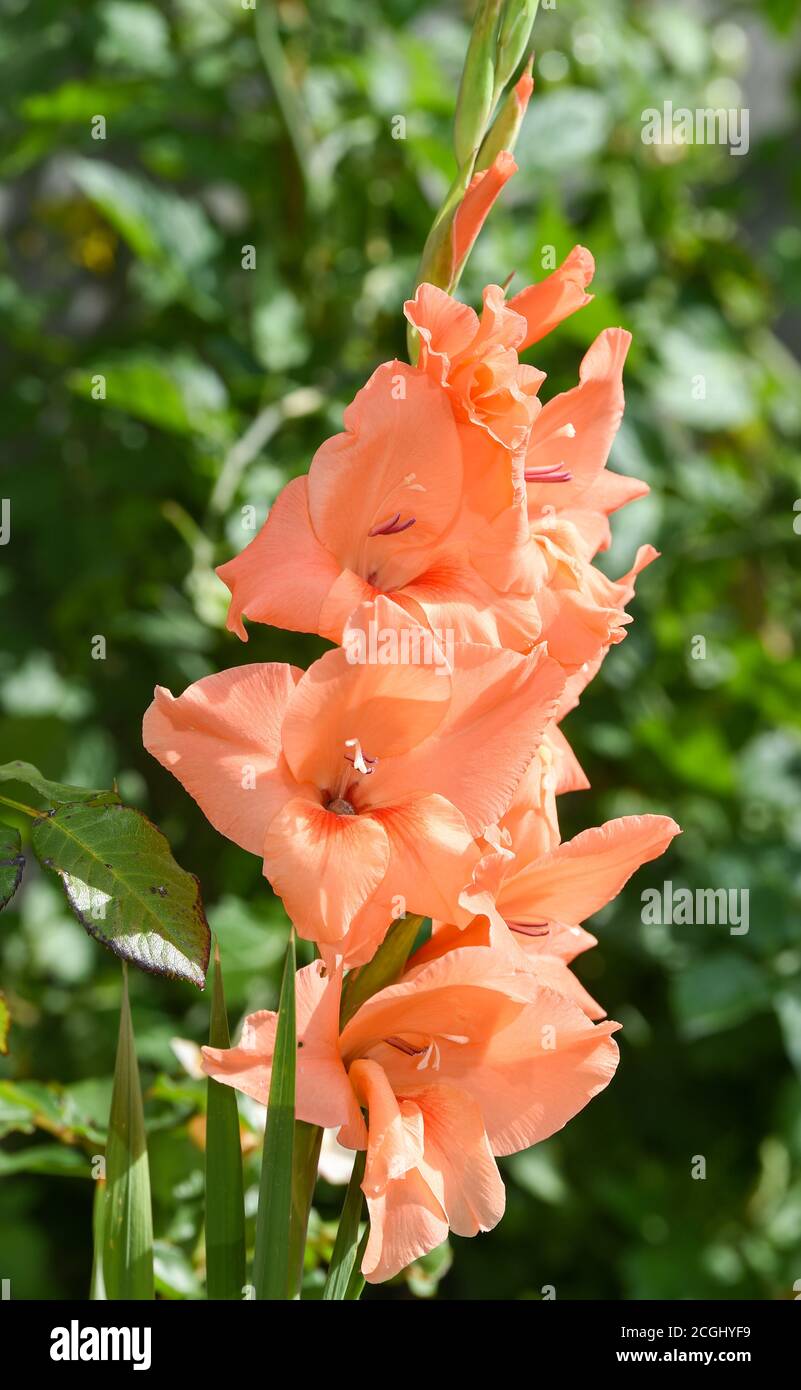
point(306, 1156)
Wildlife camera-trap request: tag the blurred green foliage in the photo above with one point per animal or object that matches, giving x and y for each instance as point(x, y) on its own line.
point(123, 258)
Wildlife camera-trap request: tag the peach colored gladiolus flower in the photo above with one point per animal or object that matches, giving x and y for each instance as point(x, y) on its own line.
point(546, 952)
point(580, 876)
point(456, 492)
point(464, 1059)
point(476, 360)
point(569, 445)
point(570, 495)
point(362, 784)
point(445, 542)
point(541, 888)
point(408, 502)
point(561, 448)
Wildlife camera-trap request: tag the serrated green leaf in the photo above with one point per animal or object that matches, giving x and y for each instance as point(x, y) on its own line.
point(271, 1255)
point(384, 968)
point(124, 886)
point(12, 863)
point(343, 1258)
point(54, 793)
point(225, 1204)
point(19, 1106)
point(127, 1217)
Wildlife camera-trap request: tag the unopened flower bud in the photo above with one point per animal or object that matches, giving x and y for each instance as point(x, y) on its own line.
point(506, 126)
point(514, 33)
point(478, 87)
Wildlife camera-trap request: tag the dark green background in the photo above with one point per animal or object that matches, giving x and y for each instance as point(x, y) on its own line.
point(123, 257)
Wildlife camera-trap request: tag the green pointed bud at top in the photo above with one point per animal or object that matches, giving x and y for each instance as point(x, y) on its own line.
point(514, 33)
point(478, 87)
point(506, 127)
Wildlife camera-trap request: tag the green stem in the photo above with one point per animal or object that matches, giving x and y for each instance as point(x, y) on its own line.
point(20, 806)
point(343, 1256)
point(306, 1156)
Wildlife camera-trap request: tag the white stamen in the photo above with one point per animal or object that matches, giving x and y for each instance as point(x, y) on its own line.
point(432, 1053)
point(360, 763)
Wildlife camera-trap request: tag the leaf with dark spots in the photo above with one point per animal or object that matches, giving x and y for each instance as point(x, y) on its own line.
point(126, 889)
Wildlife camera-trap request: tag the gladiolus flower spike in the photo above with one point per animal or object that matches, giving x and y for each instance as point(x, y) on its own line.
point(444, 542)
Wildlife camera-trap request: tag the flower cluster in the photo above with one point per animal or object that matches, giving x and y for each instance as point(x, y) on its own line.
point(445, 542)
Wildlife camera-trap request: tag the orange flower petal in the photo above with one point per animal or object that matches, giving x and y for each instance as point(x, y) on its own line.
point(406, 1221)
point(574, 431)
point(457, 1161)
point(500, 706)
point(472, 212)
point(398, 462)
point(584, 874)
point(561, 293)
point(324, 1095)
point(324, 866)
point(388, 688)
point(222, 740)
point(284, 574)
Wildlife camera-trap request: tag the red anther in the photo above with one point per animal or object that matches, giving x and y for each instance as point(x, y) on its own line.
point(393, 526)
point(554, 474)
point(529, 928)
point(403, 1046)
